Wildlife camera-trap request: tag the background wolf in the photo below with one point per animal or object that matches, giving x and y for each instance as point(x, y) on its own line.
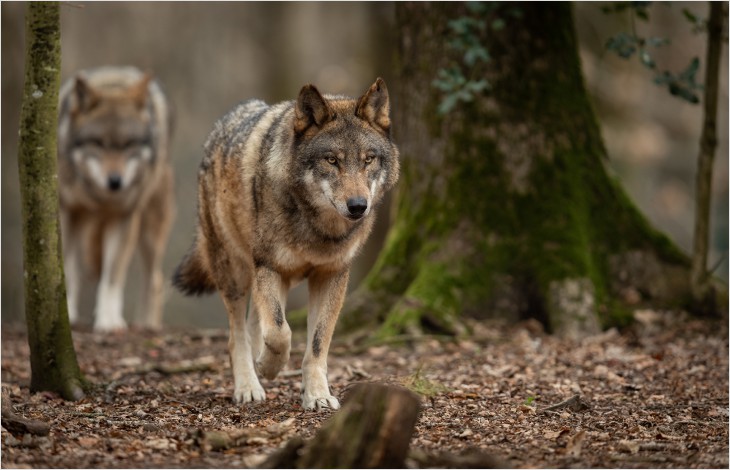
point(288, 192)
point(116, 187)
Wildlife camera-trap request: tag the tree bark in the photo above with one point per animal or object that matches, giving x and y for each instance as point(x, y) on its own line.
point(372, 430)
point(52, 355)
point(504, 207)
point(700, 279)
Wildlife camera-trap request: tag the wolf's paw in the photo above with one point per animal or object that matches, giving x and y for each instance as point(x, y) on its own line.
point(318, 403)
point(274, 353)
point(270, 363)
point(249, 394)
point(107, 325)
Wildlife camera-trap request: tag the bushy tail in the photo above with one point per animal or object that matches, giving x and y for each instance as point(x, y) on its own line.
point(191, 276)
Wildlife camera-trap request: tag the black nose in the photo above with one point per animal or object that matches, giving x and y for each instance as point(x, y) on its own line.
point(357, 206)
point(114, 182)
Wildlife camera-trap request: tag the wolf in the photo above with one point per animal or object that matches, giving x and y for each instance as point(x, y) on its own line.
point(287, 192)
point(115, 188)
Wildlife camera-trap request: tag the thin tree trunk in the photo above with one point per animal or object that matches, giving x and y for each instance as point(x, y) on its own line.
point(708, 143)
point(52, 355)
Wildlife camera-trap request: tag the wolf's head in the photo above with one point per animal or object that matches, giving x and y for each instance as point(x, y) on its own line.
point(344, 155)
point(109, 136)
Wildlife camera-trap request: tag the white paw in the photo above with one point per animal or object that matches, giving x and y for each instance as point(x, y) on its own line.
point(318, 403)
point(249, 394)
point(105, 324)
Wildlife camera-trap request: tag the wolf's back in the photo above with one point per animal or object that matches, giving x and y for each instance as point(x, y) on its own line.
point(229, 136)
point(234, 130)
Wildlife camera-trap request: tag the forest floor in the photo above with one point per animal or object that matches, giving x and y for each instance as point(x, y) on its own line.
point(655, 395)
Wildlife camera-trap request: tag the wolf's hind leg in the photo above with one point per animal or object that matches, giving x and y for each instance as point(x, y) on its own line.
point(269, 300)
point(246, 386)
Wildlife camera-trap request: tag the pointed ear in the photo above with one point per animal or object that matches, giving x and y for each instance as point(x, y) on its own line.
point(139, 92)
point(86, 97)
point(311, 109)
point(374, 106)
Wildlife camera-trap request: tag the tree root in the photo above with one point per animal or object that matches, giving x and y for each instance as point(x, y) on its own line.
point(17, 425)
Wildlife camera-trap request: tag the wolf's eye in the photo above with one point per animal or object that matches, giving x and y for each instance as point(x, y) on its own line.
point(133, 143)
point(93, 141)
point(332, 160)
point(369, 159)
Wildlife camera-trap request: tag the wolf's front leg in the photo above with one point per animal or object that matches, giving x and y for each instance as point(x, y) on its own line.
point(120, 238)
point(72, 265)
point(154, 234)
point(326, 295)
point(269, 300)
point(246, 386)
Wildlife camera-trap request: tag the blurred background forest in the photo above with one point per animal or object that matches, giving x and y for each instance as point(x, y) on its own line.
point(210, 56)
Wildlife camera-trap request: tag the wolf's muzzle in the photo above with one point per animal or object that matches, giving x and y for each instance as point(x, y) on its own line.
point(357, 207)
point(114, 182)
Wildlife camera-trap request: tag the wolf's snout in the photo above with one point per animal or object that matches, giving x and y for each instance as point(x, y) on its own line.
point(114, 182)
point(357, 207)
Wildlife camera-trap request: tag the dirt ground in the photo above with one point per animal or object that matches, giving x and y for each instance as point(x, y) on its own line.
point(655, 395)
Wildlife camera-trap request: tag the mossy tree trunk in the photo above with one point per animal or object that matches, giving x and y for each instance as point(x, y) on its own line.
point(504, 207)
point(52, 355)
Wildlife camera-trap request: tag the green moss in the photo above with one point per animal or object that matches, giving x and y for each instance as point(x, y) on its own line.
point(420, 384)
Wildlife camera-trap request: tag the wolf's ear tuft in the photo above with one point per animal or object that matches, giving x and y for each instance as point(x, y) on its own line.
point(311, 109)
point(86, 97)
point(139, 92)
point(374, 106)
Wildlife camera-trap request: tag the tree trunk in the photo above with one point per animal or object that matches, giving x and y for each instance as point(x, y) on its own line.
point(52, 356)
point(372, 430)
point(504, 207)
point(700, 279)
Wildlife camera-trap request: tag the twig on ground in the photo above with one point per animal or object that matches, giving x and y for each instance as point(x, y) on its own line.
point(290, 373)
point(574, 403)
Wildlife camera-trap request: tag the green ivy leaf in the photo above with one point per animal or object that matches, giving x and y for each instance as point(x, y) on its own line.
point(475, 54)
point(657, 41)
point(691, 70)
point(646, 59)
point(448, 103)
point(691, 17)
point(622, 44)
point(683, 93)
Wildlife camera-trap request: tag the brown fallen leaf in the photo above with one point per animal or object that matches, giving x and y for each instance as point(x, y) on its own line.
point(575, 444)
point(551, 435)
point(631, 447)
